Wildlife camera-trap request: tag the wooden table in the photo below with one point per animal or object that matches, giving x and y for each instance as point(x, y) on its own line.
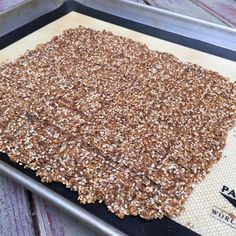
point(23, 213)
point(217, 11)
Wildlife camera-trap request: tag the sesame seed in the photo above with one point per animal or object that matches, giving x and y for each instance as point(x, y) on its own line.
point(115, 121)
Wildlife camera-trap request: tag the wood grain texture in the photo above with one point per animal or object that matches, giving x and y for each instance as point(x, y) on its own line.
point(4, 5)
point(15, 215)
point(186, 7)
point(53, 222)
point(223, 10)
point(138, 1)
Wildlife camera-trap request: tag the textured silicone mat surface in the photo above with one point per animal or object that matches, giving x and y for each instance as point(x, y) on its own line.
point(207, 211)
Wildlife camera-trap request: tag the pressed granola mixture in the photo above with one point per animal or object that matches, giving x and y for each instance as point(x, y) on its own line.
point(115, 121)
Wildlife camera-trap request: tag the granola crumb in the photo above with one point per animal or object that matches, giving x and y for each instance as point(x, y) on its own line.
point(115, 121)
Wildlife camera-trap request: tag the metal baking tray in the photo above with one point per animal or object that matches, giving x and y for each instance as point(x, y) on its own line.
point(173, 22)
point(212, 33)
point(24, 12)
point(96, 216)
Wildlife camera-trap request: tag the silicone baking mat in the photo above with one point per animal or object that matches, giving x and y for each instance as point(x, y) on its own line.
point(211, 208)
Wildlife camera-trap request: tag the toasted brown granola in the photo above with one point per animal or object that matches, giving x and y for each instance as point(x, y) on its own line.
point(115, 121)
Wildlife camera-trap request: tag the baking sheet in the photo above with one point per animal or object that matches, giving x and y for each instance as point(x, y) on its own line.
point(24, 12)
point(54, 194)
point(200, 214)
point(167, 20)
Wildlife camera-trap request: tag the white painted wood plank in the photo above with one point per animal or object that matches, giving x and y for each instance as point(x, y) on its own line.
point(222, 9)
point(138, 1)
point(4, 5)
point(53, 222)
point(186, 7)
point(15, 215)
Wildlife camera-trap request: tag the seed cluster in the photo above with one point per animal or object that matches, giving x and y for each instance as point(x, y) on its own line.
point(114, 121)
